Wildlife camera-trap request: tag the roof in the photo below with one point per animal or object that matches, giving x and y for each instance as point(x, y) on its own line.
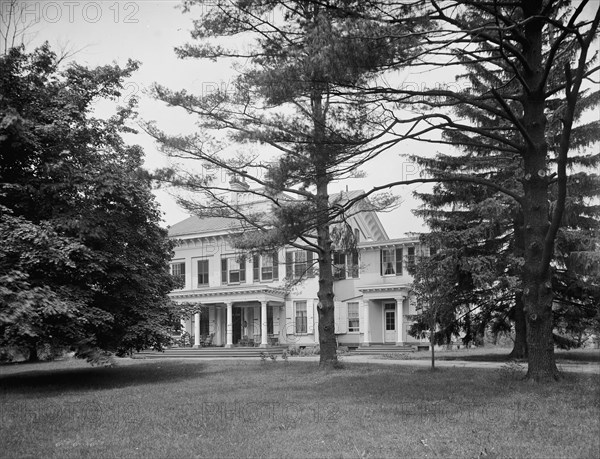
point(195, 225)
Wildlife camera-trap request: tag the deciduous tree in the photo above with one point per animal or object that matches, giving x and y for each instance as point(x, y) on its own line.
point(84, 260)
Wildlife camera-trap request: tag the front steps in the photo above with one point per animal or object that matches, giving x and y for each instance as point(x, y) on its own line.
point(209, 353)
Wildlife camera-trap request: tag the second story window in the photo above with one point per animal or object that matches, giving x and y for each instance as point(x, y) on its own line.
point(233, 270)
point(202, 273)
point(265, 267)
point(345, 265)
point(410, 260)
point(391, 262)
point(299, 264)
point(178, 273)
point(339, 265)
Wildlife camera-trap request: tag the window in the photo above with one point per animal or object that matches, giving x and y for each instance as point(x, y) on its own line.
point(354, 264)
point(178, 273)
point(391, 262)
point(353, 317)
point(345, 265)
point(265, 267)
point(301, 317)
point(233, 270)
point(356, 235)
point(299, 264)
point(410, 262)
point(339, 266)
point(202, 273)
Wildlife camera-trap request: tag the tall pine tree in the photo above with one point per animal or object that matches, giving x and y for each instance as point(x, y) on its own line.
point(295, 97)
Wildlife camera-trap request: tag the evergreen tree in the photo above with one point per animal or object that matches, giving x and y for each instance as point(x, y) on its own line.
point(537, 56)
point(295, 96)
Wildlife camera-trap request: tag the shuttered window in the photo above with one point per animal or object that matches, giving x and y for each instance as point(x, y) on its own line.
point(203, 273)
point(265, 267)
point(233, 270)
point(299, 264)
point(301, 317)
point(353, 317)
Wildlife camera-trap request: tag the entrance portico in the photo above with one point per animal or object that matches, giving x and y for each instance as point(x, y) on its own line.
point(237, 313)
point(385, 312)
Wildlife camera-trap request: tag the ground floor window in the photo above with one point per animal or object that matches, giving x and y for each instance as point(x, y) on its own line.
point(301, 317)
point(353, 317)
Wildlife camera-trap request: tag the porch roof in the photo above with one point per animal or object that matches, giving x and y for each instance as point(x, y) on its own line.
point(374, 292)
point(231, 294)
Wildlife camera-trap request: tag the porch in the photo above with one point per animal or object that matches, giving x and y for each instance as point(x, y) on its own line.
point(241, 316)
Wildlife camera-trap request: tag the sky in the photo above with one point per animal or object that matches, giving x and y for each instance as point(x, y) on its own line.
point(109, 31)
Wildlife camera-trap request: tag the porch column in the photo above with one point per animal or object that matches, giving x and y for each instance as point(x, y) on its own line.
point(229, 324)
point(366, 325)
point(399, 321)
point(197, 330)
point(263, 324)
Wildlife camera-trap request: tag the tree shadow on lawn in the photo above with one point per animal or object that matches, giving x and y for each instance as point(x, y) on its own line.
point(52, 381)
point(591, 355)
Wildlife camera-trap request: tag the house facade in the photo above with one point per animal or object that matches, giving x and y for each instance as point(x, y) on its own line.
point(271, 299)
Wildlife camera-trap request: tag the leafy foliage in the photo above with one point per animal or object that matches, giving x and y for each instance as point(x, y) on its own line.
point(84, 260)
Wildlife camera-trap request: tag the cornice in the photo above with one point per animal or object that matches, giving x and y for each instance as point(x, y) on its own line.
point(230, 291)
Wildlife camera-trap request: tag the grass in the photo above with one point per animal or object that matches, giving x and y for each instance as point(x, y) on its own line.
point(164, 409)
point(498, 354)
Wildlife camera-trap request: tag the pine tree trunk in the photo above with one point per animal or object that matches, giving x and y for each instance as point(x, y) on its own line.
point(537, 288)
point(327, 343)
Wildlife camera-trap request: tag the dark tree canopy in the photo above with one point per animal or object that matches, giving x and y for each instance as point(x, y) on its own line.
point(529, 63)
point(84, 261)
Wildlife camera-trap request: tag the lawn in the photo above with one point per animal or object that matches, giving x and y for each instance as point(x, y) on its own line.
point(165, 409)
point(497, 354)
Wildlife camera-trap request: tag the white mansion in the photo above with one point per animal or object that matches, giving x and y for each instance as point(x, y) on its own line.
point(247, 302)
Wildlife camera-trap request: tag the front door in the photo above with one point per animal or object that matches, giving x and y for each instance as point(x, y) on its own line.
point(389, 322)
